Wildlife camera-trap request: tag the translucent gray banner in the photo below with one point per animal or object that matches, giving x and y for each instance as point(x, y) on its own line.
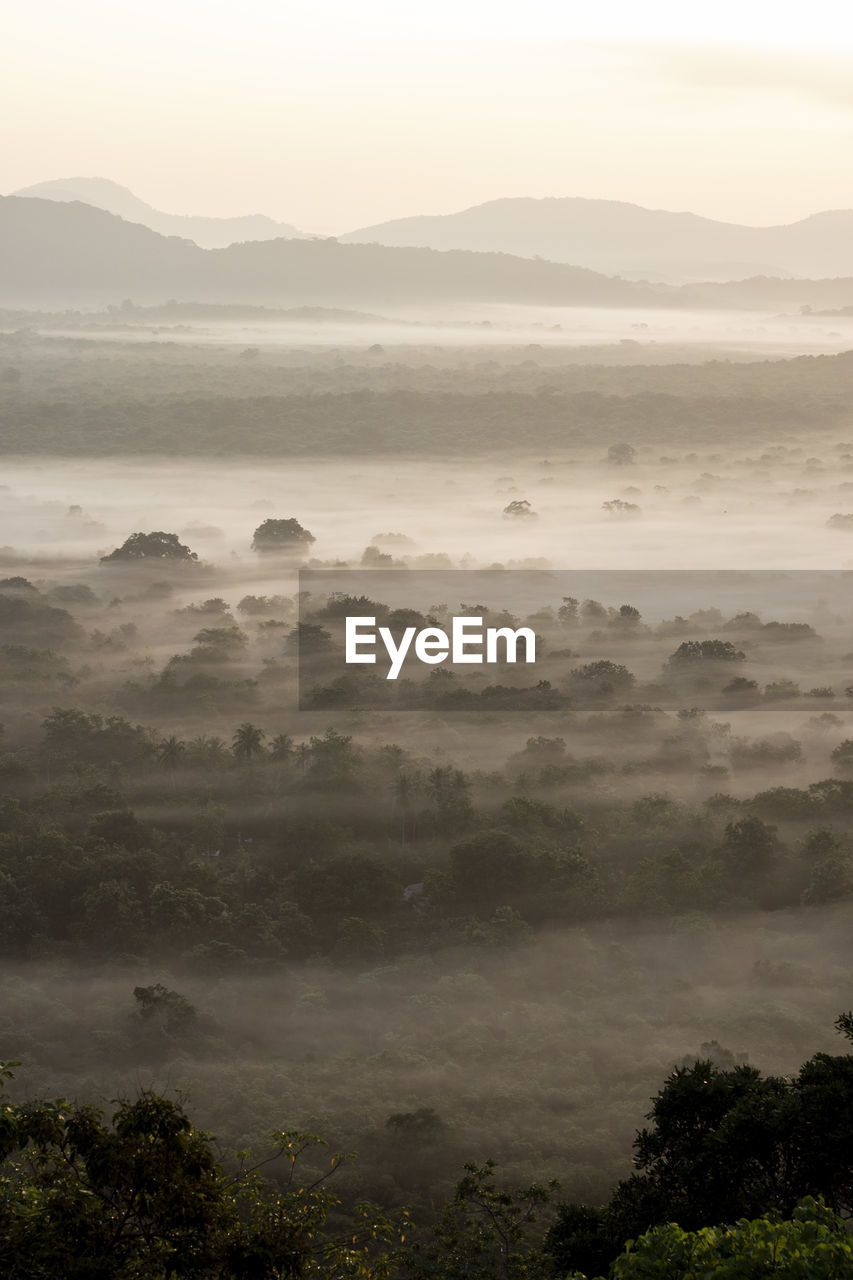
point(502, 640)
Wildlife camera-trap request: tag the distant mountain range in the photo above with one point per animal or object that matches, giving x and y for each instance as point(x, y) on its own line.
point(73, 254)
point(209, 233)
point(608, 236)
point(627, 240)
point(58, 254)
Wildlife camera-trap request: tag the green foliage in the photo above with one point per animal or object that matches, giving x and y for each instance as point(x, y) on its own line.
point(86, 1200)
point(143, 1196)
point(486, 1232)
point(813, 1244)
point(727, 1142)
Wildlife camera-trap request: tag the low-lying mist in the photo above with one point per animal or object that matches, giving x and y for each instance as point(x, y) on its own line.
point(509, 918)
point(712, 510)
point(543, 1060)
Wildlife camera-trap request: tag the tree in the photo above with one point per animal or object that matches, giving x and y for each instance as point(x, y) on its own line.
point(347, 889)
point(726, 1142)
point(219, 643)
point(842, 756)
point(601, 678)
point(307, 640)
point(170, 753)
point(618, 507)
point(172, 1012)
point(693, 653)
point(211, 752)
point(334, 760)
point(247, 741)
point(814, 1244)
point(141, 1195)
point(519, 508)
point(567, 613)
point(405, 787)
point(485, 1232)
point(627, 619)
point(282, 535)
point(448, 792)
point(151, 546)
point(741, 687)
point(281, 747)
point(489, 868)
point(622, 454)
point(751, 846)
point(87, 1200)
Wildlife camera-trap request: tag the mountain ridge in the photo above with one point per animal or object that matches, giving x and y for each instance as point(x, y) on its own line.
point(612, 237)
point(72, 254)
point(206, 231)
point(623, 238)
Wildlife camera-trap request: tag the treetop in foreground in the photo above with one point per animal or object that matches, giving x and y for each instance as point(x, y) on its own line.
point(813, 1244)
point(142, 1195)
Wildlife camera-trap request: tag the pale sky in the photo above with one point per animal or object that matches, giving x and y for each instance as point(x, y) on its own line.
point(341, 113)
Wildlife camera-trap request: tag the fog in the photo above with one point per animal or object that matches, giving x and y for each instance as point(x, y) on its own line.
point(465, 327)
point(547, 939)
point(518, 901)
point(734, 509)
point(546, 1063)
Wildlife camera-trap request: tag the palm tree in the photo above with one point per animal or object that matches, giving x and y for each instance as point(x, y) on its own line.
point(448, 790)
point(208, 752)
point(303, 755)
point(281, 747)
point(170, 752)
point(406, 786)
point(247, 741)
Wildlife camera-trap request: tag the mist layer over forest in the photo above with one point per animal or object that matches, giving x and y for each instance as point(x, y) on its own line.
point(495, 928)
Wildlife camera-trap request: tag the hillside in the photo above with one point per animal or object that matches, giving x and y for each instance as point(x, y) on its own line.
point(208, 233)
point(625, 239)
point(73, 253)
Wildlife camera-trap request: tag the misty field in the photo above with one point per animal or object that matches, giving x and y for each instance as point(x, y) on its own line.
point(462, 932)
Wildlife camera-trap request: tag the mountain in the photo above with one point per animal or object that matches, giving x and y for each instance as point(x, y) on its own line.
point(57, 255)
point(74, 254)
point(607, 236)
point(627, 240)
point(209, 233)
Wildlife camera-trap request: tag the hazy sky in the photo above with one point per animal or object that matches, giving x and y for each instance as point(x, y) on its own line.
point(338, 113)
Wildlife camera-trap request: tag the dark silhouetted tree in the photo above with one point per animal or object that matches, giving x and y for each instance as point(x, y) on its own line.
point(151, 546)
point(282, 535)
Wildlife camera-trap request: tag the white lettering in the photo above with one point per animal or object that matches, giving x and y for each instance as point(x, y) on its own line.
point(511, 642)
point(396, 653)
point(354, 639)
point(460, 639)
point(432, 645)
